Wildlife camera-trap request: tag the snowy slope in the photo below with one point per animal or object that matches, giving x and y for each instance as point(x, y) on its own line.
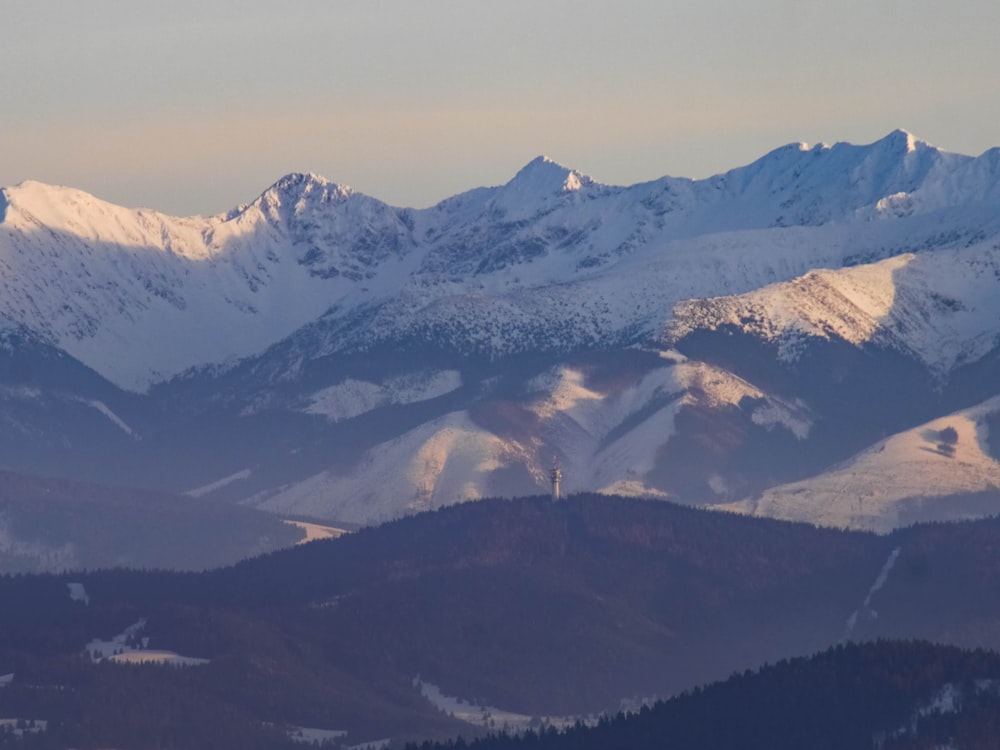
point(941, 308)
point(606, 433)
point(140, 297)
point(912, 476)
point(440, 463)
point(551, 260)
point(351, 397)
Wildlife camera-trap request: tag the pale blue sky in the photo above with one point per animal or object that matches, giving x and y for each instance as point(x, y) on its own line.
point(193, 107)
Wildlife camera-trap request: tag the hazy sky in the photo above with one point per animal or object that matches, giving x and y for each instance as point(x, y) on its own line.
point(194, 107)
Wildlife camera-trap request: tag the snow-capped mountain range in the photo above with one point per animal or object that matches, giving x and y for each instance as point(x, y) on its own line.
point(704, 340)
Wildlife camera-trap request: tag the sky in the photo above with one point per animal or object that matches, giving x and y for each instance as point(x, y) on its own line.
point(196, 107)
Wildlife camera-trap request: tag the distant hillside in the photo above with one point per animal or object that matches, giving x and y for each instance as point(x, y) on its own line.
point(56, 525)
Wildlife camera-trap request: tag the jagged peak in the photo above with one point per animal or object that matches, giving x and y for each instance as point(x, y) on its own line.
point(302, 183)
point(294, 188)
point(892, 151)
point(897, 142)
point(300, 179)
point(544, 175)
point(902, 141)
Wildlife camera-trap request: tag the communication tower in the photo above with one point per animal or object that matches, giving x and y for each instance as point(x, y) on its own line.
point(556, 477)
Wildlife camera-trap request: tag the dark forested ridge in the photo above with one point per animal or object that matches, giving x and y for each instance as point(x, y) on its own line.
point(535, 607)
point(889, 695)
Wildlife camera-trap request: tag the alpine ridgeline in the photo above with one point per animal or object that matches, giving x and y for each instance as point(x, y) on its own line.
point(813, 336)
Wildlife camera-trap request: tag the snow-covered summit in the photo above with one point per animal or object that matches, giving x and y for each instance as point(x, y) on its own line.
point(939, 308)
point(32, 206)
point(543, 176)
point(299, 189)
point(542, 184)
point(551, 258)
point(799, 185)
point(140, 296)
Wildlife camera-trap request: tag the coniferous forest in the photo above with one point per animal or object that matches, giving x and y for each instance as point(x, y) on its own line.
point(887, 694)
point(539, 608)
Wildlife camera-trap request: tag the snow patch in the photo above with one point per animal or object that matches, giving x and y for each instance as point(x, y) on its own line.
point(776, 413)
point(632, 488)
point(151, 656)
point(490, 717)
point(114, 418)
point(352, 398)
point(565, 393)
point(78, 593)
point(673, 356)
point(315, 531)
point(130, 648)
point(866, 610)
point(239, 476)
point(100, 649)
point(346, 400)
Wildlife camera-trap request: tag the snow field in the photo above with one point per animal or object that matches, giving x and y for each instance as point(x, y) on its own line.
point(78, 593)
point(868, 490)
point(352, 398)
point(451, 459)
point(315, 531)
point(157, 657)
point(439, 463)
point(129, 647)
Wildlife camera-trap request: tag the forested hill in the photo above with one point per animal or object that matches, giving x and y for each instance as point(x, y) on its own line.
point(886, 695)
point(529, 606)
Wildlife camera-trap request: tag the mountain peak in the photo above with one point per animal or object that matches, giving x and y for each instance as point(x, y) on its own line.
point(544, 176)
point(902, 141)
point(298, 188)
point(300, 184)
